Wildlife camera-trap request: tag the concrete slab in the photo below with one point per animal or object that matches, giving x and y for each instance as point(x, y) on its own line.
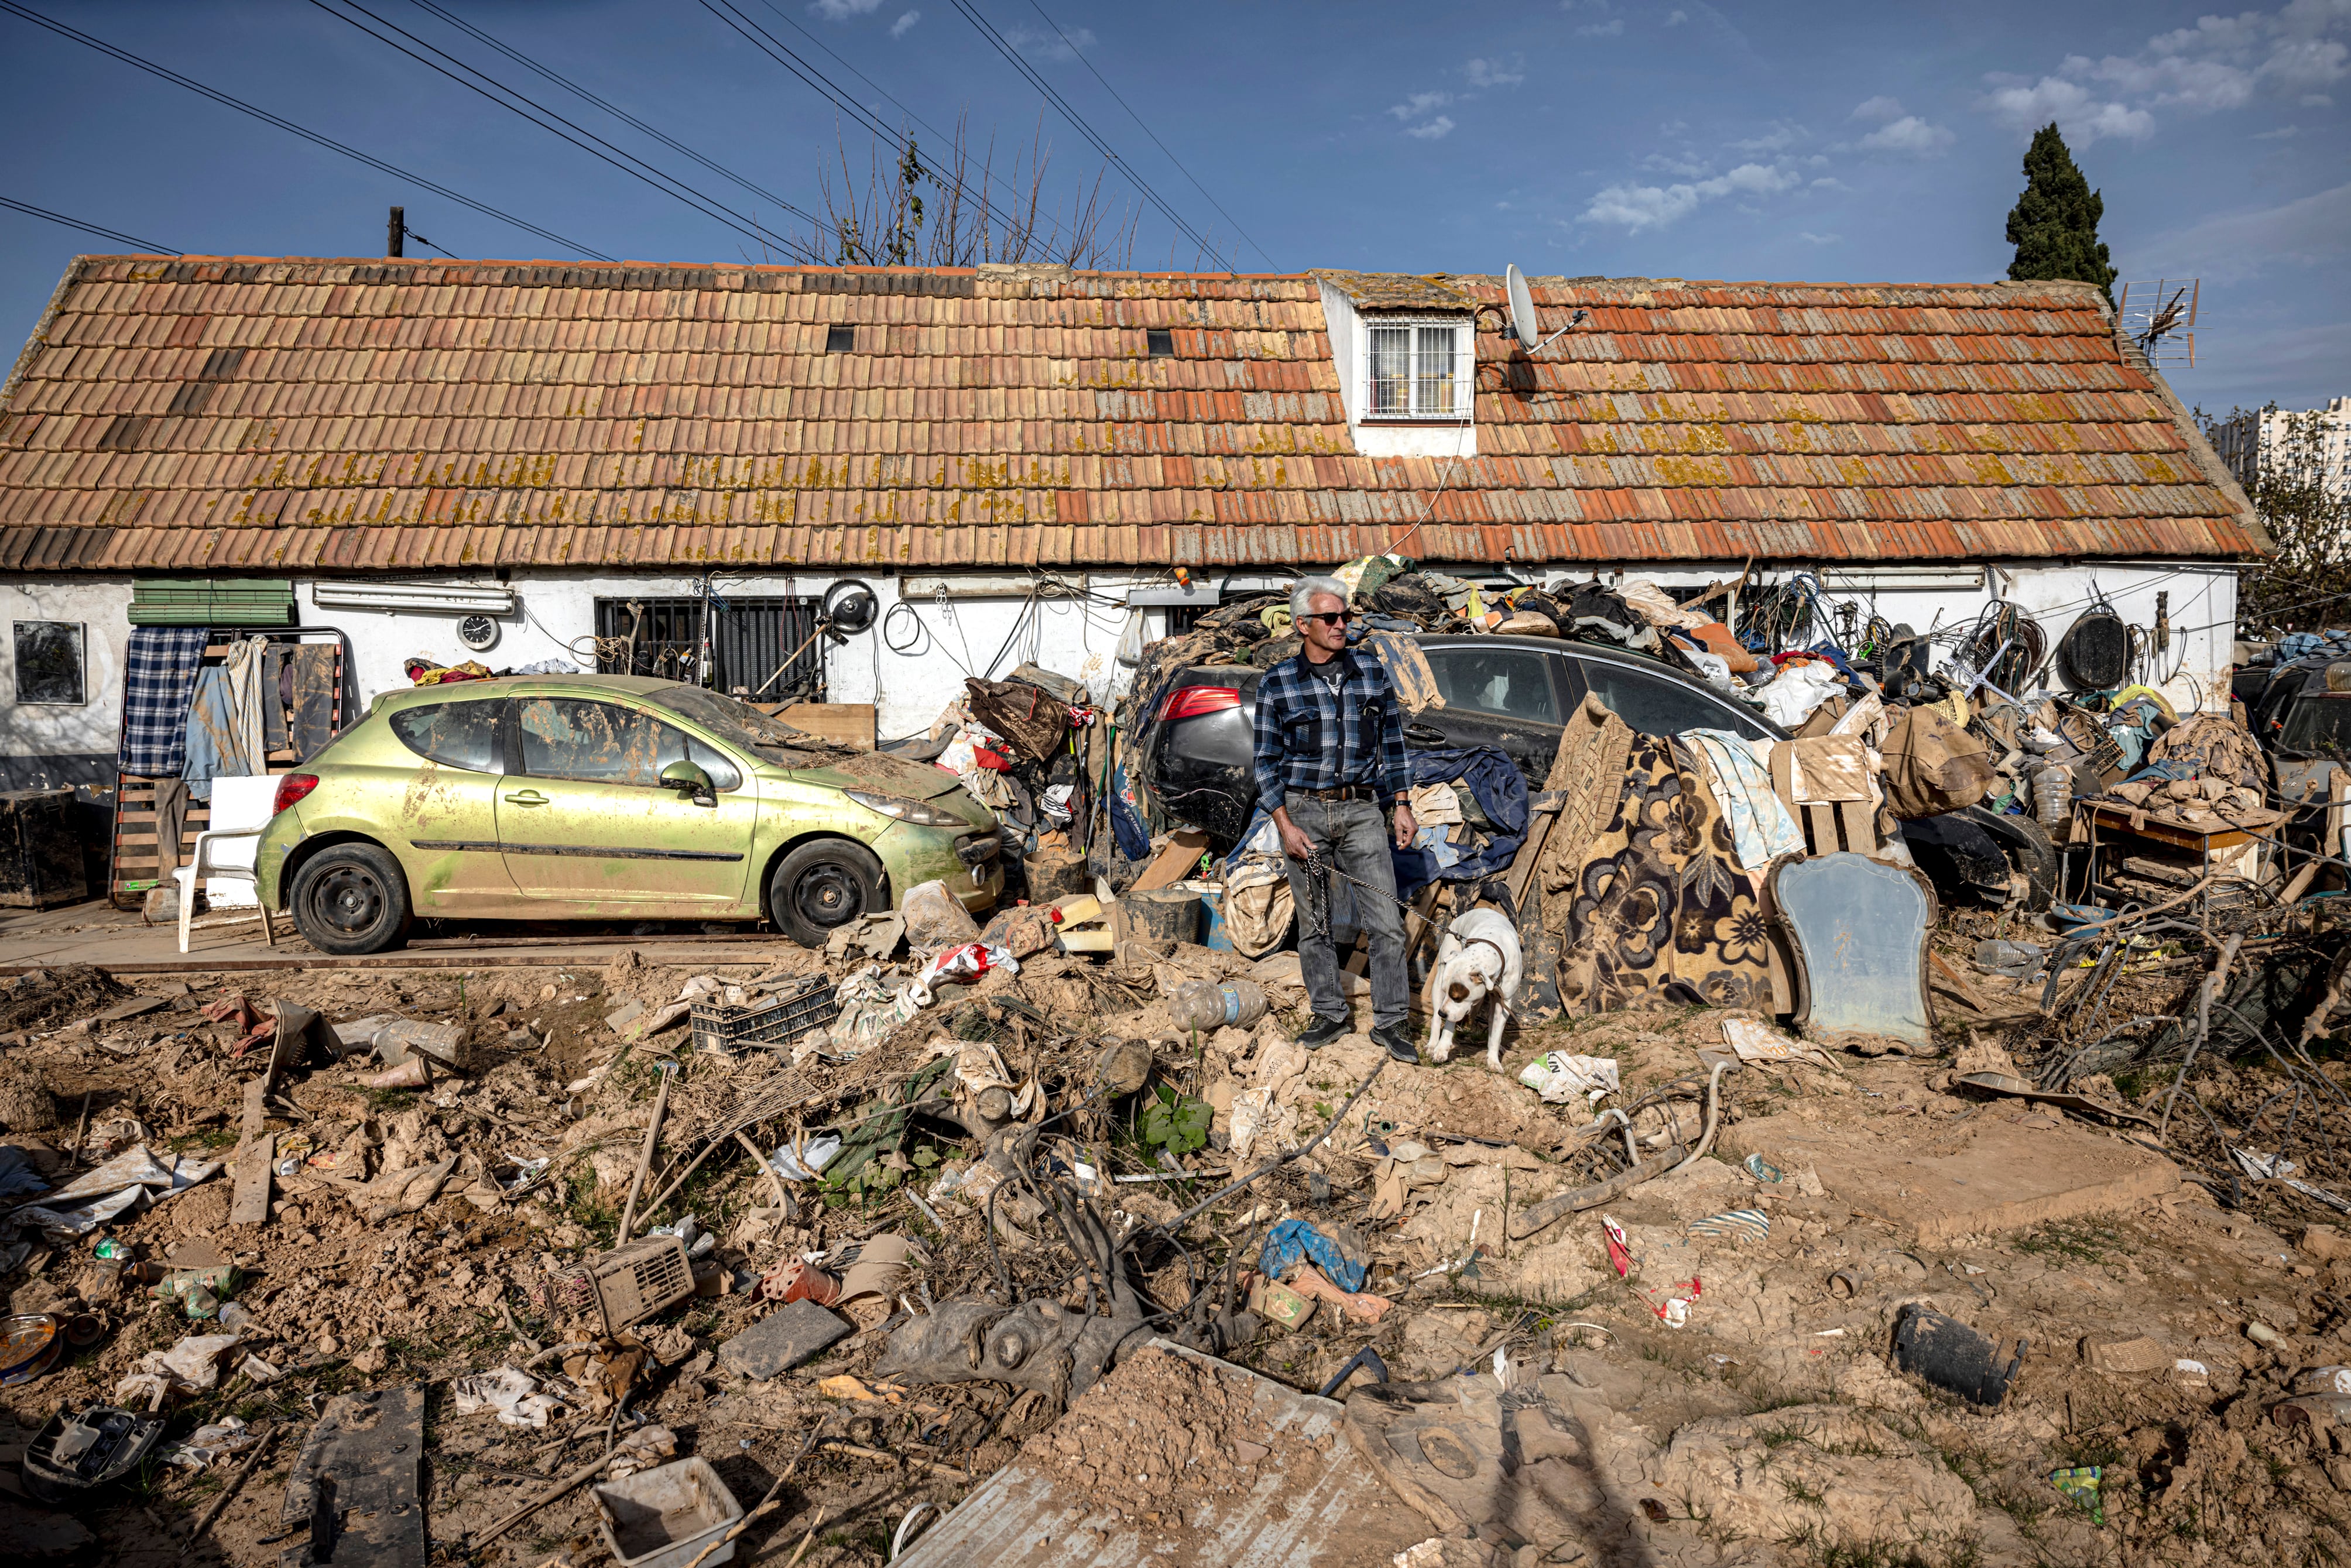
point(782, 1340)
point(1324, 1507)
point(1998, 1171)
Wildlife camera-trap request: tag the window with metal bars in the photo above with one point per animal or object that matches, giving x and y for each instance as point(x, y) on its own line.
point(1417, 370)
point(764, 650)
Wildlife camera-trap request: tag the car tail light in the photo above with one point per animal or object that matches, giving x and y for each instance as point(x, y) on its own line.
point(1191, 702)
point(291, 788)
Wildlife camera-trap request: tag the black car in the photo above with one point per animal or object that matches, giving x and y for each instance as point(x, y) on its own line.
point(1516, 693)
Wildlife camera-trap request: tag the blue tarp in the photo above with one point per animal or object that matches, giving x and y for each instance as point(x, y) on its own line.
point(1495, 782)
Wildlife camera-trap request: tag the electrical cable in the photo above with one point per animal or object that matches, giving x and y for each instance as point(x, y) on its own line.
point(615, 110)
point(633, 166)
point(785, 55)
point(282, 123)
point(1081, 54)
point(103, 233)
point(1078, 123)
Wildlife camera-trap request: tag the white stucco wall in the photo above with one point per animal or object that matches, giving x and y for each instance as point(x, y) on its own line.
point(915, 659)
point(556, 616)
point(101, 606)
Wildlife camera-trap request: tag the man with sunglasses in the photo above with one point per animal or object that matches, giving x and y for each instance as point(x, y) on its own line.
point(1329, 755)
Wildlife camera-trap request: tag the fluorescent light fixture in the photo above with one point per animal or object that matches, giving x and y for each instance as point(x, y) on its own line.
point(417, 598)
point(1900, 579)
point(982, 585)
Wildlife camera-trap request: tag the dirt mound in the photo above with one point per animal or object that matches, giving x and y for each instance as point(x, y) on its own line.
point(61, 994)
point(1157, 1438)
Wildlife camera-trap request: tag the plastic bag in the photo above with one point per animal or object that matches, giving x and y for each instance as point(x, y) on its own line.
point(1560, 1076)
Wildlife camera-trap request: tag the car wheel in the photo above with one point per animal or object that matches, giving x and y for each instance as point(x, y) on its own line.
point(2029, 850)
point(822, 886)
point(350, 899)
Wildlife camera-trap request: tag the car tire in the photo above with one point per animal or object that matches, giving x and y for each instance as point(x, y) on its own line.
point(821, 887)
point(350, 899)
point(2029, 850)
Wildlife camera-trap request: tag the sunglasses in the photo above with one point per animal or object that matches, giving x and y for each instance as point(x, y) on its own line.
point(1332, 618)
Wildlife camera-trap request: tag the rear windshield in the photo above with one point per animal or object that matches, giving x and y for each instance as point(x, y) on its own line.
point(743, 724)
point(2318, 725)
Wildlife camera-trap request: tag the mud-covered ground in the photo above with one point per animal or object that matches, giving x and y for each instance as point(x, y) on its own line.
point(1769, 1427)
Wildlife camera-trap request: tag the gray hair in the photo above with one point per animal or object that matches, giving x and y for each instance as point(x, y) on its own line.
point(1309, 589)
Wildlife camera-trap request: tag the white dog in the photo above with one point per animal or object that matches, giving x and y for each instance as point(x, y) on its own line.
point(1478, 957)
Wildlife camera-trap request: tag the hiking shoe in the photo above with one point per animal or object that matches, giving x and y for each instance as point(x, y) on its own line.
point(1322, 1031)
point(1392, 1038)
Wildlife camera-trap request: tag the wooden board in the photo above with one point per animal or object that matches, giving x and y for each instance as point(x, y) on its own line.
point(249, 1166)
point(849, 723)
point(1176, 860)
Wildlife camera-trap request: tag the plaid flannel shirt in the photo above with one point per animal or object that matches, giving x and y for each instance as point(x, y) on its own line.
point(1310, 737)
point(158, 674)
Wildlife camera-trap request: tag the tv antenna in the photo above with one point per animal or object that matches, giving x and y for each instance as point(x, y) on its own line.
point(2161, 317)
point(1523, 325)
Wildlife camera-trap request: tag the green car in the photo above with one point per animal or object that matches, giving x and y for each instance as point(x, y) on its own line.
point(606, 798)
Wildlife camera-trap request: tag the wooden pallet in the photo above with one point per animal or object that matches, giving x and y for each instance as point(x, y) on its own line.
point(136, 864)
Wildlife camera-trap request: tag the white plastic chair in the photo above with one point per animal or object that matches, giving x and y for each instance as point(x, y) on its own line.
point(241, 809)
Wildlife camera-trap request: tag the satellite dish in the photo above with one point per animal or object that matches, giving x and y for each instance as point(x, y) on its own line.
point(1523, 326)
point(1522, 307)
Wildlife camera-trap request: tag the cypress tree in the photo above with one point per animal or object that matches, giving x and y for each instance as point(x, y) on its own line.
point(2055, 224)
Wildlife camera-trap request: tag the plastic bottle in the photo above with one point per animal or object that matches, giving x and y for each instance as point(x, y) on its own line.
point(2053, 797)
point(235, 1316)
point(1203, 1005)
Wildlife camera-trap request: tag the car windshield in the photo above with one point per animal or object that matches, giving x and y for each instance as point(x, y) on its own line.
point(741, 723)
point(2318, 727)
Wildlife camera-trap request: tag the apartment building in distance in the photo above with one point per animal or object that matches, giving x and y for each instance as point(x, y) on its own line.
point(2255, 440)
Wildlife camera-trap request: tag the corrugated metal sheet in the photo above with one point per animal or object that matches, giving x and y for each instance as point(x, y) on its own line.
point(212, 414)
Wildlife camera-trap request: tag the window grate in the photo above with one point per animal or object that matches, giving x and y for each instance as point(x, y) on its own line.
point(749, 639)
point(1415, 370)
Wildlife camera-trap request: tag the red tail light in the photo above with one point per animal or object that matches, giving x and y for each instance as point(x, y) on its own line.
point(1192, 701)
point(291, 788)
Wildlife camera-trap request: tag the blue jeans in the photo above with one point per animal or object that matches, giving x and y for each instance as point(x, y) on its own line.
point(1352, 835)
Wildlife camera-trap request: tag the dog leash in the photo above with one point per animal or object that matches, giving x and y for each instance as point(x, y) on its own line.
point(1318, 873)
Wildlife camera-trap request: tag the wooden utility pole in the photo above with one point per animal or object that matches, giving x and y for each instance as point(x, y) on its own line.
point(395, 238)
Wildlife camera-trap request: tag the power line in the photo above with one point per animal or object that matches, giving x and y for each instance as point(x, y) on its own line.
point(1148, 131)
point(1078, 123)
point(282, 123)
point(615, 110)
point(99, 229)
point(633, 166)
point(785, 55)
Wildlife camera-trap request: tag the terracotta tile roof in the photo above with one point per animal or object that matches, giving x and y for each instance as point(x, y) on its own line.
point(236, 414)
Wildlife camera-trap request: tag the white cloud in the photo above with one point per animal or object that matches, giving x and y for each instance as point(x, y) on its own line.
point(905, 24)
point(1908, 134)
point(2306, 232)
point(1496, 73)
point(1782, 135)
point(1637, 207)
point(1441, 126)
point(2282, 133)
point(1811, 238)
point(1042, 44)
point(2221, 63)
point(1877, 111)
point(1418, 104)
point(1666, 163)
point(842, 10)
point(1675, 19)
point(1612, 29)
point(2078, 111)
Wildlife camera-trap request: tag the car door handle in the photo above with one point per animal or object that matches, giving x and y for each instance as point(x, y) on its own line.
point(527, 797)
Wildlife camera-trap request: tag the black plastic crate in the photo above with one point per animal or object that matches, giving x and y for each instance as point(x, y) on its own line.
point(804, 1007)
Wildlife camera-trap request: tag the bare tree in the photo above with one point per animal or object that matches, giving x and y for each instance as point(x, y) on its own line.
point(2305, 583)
point(956, 210)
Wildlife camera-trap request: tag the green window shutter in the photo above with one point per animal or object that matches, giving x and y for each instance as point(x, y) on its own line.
point(212, 602)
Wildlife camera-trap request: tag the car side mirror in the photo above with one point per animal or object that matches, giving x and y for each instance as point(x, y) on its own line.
point(687, 778)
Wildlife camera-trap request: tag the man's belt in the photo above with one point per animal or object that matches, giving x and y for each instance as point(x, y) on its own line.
point(1343, 792)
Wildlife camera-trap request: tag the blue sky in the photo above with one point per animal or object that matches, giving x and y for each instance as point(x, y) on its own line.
point(1818, 141)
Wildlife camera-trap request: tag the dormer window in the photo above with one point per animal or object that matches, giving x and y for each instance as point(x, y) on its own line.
point(1415, 370)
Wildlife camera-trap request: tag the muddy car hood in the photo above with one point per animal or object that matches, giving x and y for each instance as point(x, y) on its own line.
point(881, 774)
